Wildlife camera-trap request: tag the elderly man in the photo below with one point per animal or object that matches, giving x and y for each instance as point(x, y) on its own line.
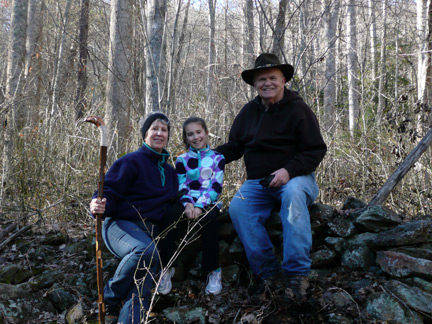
point(279, 137)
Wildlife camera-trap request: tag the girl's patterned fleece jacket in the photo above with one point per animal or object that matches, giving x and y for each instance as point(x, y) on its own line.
point(200, 174)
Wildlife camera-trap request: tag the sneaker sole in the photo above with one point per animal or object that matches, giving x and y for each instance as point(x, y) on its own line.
point(213, 292)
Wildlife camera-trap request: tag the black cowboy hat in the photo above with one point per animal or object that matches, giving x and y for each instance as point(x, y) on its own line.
point(266, 61)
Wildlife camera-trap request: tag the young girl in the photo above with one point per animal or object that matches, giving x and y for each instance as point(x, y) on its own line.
point(200, 172)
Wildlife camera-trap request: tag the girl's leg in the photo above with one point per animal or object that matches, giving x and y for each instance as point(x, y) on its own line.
point(169, 233)
point(210, 240)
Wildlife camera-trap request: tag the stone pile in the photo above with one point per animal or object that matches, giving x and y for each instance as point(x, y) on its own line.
point(370, 265)
point(396, 252)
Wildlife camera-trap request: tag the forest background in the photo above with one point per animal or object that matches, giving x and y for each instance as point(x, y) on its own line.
point(363, 66)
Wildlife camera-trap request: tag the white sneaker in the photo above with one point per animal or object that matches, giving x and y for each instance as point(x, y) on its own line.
point(165, 283)
point(214, 283)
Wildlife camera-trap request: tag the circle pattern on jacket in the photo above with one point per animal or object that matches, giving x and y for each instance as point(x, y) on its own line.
point(192, 163)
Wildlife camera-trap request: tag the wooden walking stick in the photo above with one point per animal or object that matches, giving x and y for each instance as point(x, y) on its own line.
point(103, 153)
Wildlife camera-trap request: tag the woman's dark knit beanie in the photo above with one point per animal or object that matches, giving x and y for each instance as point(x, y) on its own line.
point(151, 118)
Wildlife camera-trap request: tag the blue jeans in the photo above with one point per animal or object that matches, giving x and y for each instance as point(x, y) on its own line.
point(249, 211)
point(132, 242)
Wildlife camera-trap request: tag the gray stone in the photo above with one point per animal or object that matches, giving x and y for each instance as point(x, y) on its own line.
point(320, 215)
point(409, 233)
point(358, 257)
point(75, 314)
point(361, 285)
point(236, 246)
point(7, 273)
point(353, 203)
point(46, 279)
point(401, 265)
point(274, 221)
point(185, 314)
point(276, 236)
point(231, 273)
point(323, 257)
point(339, 319)
point(342, 299)
point(415, 252)
point(362, 239)
point(377, 219)
point(321, 212)
point(412, 296)
point(54, 238)
point(383, 306)
point(227, 232)
point(223, 251)
point(419, 283)
point(60, 298)
point(342, 227)
point(336, 243)
point(18, 304)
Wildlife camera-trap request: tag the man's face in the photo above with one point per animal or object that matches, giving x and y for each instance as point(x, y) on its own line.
point(270, 84)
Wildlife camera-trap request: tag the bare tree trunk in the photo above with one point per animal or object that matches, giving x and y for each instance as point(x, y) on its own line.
point(33, 33)
point(279, 29)
point(424, 74)
point(249, 35)
point(138, 66)
point(302, 48)
point(33, 60)
point(171, 67)
point(331, 9)
point(382, 76)
point(424, 20)
point(211, 58)
point(352, 67)
point(178, 55)
point(80, 100)
point(261, 37)
point(59, 65)
point(117, 98)
point(248, 42)
point(15, 72)
point(373, 37)
point(156, 11)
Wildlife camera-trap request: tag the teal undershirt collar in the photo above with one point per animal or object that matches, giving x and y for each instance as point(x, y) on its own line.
point(161, 163)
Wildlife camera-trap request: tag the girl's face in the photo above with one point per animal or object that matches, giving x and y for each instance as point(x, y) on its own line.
point(196, 136)
point(157, 136)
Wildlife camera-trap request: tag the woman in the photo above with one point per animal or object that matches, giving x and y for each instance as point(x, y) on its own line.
point(139, 201)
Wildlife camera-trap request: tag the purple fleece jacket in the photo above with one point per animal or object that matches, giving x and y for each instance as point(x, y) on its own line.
point(140, 185)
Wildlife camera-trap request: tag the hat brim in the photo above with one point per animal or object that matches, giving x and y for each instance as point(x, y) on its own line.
point(287, 70)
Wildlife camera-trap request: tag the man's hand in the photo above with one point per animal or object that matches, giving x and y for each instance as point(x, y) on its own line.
point(281, 177)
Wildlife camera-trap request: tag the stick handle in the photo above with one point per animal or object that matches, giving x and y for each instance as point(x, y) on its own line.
point(103, 129)
point(102, 165)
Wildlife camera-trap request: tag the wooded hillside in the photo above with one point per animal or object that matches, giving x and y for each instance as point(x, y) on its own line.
point(363, 66)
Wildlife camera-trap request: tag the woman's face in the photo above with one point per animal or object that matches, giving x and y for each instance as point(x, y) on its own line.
point(157, 136)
